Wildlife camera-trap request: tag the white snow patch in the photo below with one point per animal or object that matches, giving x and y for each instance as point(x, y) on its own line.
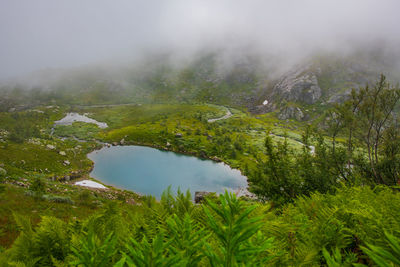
point(73, 117)
point(91, 184)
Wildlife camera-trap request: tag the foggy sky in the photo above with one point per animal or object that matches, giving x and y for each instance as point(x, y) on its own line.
point(38, 34)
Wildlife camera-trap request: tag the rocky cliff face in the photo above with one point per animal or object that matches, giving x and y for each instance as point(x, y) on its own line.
point(321, 82)
point(298, 85)
point(291, 113)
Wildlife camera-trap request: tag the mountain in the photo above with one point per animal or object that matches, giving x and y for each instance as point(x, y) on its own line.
point(250, 83)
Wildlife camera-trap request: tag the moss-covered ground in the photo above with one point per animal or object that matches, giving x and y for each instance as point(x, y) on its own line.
point(30, 149)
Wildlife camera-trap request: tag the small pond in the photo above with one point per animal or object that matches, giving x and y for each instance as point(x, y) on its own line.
point(150, 171)
point(73, 117)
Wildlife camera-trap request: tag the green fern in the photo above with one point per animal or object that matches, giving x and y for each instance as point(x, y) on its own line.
point(337, 259)
point(150, 254)
point(232, 226)
point(187, 239)
point(93, 252)
point(385, 257)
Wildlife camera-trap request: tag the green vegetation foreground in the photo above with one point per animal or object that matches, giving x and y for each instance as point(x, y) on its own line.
point(336, 204)
point(351, 224)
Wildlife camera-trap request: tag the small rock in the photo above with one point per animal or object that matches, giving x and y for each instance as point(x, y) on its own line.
point(179, 135)
point(62, 153)
point(50, 146)
point(122, 142)
point(200, 195)
point(216, 159)
point(21, 184)
point(66, 162)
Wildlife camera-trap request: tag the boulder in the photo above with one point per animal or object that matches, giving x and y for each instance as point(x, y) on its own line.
point(291, 113)
point(216, 159)
point(202, 154)
point(50, 147)
point(200, 195)
point(66, 162)
point(21, 184)
point(179, 135)
point(62, 153)
point(122, 142)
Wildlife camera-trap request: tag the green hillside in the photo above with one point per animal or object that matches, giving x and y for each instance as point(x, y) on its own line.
point(325, 185)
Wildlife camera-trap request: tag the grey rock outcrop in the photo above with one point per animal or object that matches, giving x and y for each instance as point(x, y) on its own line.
point(291, 113)
point(299, 85)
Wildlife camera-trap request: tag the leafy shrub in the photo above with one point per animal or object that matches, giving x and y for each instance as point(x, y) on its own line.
point(59, 199)
point(38, 186)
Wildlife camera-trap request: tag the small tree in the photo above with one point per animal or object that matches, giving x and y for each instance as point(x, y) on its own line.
point(38, 187)
point(368, 121)
point(279, 179)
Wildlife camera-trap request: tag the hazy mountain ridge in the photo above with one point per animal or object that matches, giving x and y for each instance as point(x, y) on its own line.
point(247, 83)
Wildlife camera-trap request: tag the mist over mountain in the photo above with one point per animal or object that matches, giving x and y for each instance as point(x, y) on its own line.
point(261, 55)
point(45, 34)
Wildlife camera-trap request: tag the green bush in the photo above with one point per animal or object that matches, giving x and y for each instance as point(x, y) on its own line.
point(59, 199)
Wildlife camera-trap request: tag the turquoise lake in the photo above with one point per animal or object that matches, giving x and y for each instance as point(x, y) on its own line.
point(150, 171)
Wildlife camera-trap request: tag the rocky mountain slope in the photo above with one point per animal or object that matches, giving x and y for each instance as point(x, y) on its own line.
point(298, 93)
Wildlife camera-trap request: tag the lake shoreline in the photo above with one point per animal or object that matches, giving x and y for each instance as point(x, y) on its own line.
point(242, 191)
point(165, 148)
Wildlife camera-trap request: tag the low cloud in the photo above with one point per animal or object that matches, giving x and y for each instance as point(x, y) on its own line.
point(60, 34)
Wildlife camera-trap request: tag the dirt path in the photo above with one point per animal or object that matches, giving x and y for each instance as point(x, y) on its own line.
point(226, 116)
